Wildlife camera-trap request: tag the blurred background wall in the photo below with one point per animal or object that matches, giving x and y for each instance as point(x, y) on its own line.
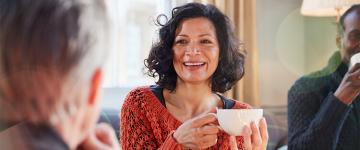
point(288, 46)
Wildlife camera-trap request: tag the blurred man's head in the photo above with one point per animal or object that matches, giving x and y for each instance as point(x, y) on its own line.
point(350, 25)
point(51, 55)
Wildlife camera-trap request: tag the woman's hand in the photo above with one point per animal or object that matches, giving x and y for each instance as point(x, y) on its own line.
point(103, 137)
point(254, 138)
point(198, 133)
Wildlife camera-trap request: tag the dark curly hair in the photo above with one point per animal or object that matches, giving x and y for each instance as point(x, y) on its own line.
point(231, 62)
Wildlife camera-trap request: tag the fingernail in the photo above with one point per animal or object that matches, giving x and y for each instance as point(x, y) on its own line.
point(246, 130)
point(263, 121)
point(253, 124)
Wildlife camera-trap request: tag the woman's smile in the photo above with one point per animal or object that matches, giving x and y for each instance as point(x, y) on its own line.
point(195, 65)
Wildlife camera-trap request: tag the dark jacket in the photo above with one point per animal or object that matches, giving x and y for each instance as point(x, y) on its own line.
point(25, 136)
point(317, 119)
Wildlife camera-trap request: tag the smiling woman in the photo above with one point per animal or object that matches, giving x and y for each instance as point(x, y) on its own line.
point(197, 57)
point(218, 26)
point(196, 50)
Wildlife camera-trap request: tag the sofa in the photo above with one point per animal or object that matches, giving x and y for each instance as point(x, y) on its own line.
point(277, 127)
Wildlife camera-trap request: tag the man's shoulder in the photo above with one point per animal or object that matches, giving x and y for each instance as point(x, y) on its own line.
point(9, 137)
point(27, 136)
point(311, 83)
point(322, 81)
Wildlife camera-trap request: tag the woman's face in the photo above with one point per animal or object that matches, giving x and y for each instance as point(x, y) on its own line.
point(196, 50)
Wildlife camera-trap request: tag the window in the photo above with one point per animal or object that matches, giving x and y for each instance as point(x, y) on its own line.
point(134, 23)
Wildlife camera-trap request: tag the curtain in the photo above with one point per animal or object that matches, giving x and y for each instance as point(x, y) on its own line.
point(243, 15)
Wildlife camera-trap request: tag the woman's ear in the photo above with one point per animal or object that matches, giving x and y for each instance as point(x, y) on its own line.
point(95, 88)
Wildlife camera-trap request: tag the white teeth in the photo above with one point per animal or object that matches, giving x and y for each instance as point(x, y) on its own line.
point(194, 64)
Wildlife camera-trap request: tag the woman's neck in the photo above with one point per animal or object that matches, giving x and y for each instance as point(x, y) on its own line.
point(191, 99)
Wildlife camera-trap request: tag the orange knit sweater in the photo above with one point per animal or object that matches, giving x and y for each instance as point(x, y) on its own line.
point(146, 124)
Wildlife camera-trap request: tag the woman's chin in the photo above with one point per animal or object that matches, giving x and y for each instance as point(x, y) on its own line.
point(195, 80)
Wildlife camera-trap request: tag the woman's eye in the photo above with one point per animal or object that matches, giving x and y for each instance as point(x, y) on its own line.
point(180, 42)
point(205, 41)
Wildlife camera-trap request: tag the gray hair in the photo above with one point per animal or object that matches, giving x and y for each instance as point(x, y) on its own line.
point(48, 51)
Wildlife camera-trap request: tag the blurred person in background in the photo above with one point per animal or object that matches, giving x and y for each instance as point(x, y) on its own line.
point(51, 58)
point(197, 57)
point(324, 107)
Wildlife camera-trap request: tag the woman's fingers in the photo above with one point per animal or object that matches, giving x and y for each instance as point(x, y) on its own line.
point(203, 120)
point(263, 131)
point(233, 144)
point(255, 136)
point(259, 136)
point(247, 137)
point(192, 133)
point(209, 140)
point(210, 129)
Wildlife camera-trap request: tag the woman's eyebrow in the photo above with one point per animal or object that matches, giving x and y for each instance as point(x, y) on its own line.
point(183, 35)
point(201, 35)
point(205, 34)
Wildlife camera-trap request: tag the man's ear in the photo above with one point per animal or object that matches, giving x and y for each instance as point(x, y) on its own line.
point(339, 41)
point(339, 36)
point(95, 88)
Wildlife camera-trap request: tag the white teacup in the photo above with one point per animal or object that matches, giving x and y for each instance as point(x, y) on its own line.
point(354, 59)
point(234, 120)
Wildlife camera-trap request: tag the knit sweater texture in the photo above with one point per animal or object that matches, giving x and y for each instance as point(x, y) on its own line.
point(317, 119)
point(147, 124)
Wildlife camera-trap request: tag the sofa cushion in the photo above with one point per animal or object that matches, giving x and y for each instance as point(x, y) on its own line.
point(111, 116)
point(277, 130)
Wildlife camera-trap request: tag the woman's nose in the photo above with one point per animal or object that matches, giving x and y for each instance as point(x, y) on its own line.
point(192, 49)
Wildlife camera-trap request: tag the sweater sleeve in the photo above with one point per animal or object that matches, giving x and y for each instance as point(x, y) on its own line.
point(315, 120)
point(136, 131)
